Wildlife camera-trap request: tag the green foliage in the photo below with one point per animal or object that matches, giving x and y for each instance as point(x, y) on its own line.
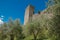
point(12, 30)
point(46, 27)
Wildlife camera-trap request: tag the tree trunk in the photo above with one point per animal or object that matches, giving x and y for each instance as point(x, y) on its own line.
point(12, 37)
point(35, 37)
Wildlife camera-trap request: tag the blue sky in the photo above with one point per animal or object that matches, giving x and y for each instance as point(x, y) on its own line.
point(16, 8)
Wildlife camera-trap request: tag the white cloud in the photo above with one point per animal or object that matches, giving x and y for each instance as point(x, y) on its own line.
point(1, 18)
point(1, 22)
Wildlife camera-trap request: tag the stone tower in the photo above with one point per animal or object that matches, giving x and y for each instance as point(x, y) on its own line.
point(28, 14)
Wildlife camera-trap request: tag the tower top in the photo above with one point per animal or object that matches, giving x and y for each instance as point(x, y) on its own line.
point(30, 6)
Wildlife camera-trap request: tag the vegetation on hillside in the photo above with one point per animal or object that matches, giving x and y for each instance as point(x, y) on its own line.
point(46, 27)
